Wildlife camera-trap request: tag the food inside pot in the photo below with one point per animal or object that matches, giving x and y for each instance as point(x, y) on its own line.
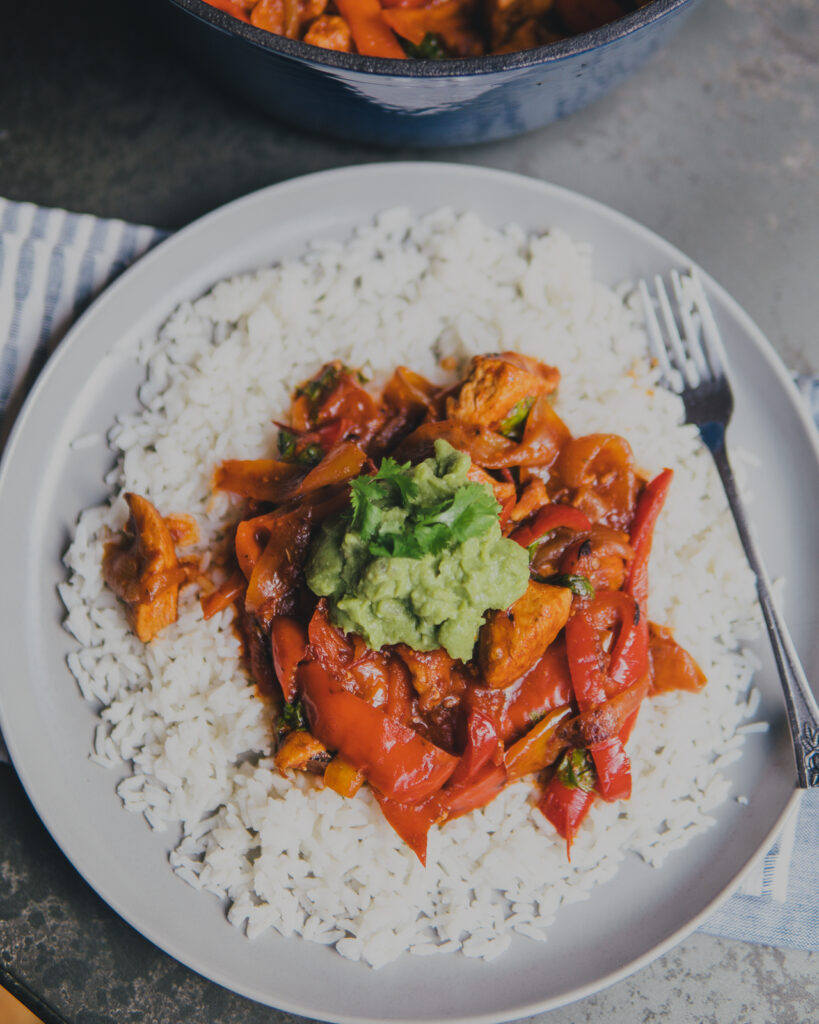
point(427, 29)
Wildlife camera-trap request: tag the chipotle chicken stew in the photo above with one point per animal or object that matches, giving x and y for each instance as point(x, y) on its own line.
point(440, 591)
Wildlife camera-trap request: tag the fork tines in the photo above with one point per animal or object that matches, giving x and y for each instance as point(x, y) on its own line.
point(687, 346)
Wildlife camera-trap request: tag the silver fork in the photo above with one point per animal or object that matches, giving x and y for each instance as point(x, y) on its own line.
point(687, 343)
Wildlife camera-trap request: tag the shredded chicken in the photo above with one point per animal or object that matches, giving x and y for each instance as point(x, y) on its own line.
point(495, 385)
point(142, 569)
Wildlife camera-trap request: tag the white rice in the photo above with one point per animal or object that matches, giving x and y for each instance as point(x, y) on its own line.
point(179, 717)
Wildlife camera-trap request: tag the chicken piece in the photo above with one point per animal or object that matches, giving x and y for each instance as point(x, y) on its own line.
point(331, 32)
point(435, 675)
point(534, 497)
point(511, 641)
point(142, 569)
point(184, 529)
point(494, 388)
point(301, 751)
point(673, 667)
point(269, 15)
point(506, 16)
point(309, 10)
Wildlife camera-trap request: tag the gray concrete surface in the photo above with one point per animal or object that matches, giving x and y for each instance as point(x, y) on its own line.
point(715, 144)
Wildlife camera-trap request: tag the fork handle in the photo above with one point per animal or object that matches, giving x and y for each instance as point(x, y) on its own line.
point(803, 712)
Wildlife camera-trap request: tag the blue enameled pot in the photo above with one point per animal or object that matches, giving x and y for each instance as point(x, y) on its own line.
point(419, 102)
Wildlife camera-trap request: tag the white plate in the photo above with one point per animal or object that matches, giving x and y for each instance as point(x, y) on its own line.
point(45, 483)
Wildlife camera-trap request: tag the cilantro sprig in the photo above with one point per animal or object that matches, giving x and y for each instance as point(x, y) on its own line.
point(292, 716)
point(426, 528)
point(308, 455)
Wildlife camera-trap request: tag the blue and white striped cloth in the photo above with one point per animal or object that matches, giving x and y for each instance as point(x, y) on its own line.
point(52, 263)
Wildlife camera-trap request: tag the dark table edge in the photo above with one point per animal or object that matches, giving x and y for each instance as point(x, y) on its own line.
point(23, 994)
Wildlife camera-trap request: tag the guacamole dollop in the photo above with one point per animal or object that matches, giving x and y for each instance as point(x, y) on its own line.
point(418, 558)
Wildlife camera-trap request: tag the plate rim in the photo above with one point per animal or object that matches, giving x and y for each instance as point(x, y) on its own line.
point(164, 251)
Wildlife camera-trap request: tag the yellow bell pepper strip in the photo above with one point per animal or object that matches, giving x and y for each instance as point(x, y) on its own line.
point(539, 748)
point(342, 777)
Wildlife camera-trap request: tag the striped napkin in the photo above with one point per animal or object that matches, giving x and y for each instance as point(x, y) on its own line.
point(52, 263)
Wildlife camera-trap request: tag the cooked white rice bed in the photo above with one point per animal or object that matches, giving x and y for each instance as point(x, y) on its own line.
point(179, 715)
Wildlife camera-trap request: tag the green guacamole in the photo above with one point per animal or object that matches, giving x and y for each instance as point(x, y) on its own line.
point(419, 558)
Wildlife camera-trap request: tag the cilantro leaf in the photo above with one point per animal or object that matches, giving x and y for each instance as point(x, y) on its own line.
point(399, 476)
point(287, 443)
point(396, 545)
point(364, 497)
point(425, 529)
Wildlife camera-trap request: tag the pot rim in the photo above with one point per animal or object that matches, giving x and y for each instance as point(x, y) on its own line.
point(421, 68)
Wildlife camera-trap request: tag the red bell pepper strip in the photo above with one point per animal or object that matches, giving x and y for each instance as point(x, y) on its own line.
point(629, 658)
point(649, 506)
point(396, 760)
point(613, 767)
point(547, 685)
point(412, 822)
point(593, 686)
point(549, 518)
point(628, 726)
point(288, 640)
point(329, 645)
point(482, 742)
point(478, 791)
point(565, 808)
